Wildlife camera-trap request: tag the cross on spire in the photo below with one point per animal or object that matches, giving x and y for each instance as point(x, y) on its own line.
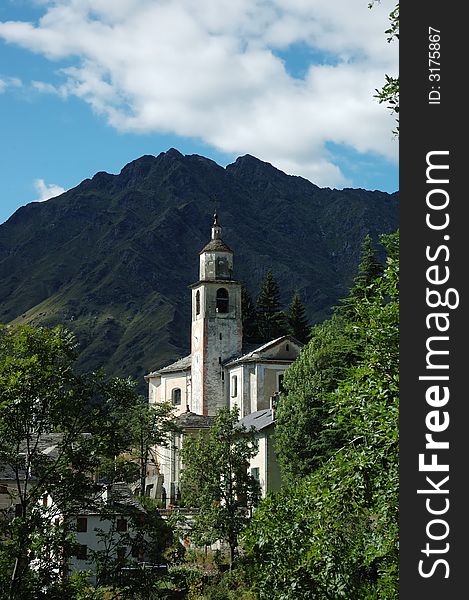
point(216, 229)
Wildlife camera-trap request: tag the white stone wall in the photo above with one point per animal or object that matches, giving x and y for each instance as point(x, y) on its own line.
point(161, 389)
point(266, 462)
point(236, 399)
point(208, 266)
point(270, 383)
point(197, 345)
point(264, 384)
point(253, 386)
point(260, 462)
point(216, 337)
point(93, 542)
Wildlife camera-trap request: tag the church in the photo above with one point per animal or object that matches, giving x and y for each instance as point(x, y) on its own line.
point(220, 371)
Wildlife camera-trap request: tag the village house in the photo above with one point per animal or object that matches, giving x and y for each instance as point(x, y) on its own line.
point(107, 527)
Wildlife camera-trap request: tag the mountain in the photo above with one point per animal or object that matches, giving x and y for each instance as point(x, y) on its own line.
point(112, 258)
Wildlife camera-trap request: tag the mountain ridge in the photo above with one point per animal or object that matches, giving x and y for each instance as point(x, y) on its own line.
point(113, 257)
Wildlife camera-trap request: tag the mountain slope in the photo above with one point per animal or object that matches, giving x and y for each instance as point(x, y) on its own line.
point(113, 257)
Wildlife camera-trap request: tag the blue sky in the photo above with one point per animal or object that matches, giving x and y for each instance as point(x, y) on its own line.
point(89, 85)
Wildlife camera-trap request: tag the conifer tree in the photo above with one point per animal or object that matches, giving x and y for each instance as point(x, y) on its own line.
point(249, 317)
point(297, 321)
point(271, 319)
point(340, 521)
point(370, 267)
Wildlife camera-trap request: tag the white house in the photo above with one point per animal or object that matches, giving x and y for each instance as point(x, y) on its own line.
point(107, 527)
point(264, 466)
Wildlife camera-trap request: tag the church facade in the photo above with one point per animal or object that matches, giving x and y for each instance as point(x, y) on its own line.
point(221, 370)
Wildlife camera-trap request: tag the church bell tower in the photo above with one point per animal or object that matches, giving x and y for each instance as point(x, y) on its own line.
point(216, 333)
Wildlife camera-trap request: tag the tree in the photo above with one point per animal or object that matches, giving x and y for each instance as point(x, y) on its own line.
point(370, 267)
point(249, 316)
point(151, 425)
point(389, 93)
point(335, 533)
point(297, 321)
point(302, 442)
point(215, 479)
point(270, 318)
point(48, 415)
point(369, 270)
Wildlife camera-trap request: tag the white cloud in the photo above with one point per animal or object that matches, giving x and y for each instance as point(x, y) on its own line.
point(46, 191)
point(212, 70)
point(9, 82)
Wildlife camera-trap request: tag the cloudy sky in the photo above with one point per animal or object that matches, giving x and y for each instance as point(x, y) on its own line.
point(89, 85)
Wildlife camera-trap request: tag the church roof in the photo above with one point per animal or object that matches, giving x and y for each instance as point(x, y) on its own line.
point(183, 364)
point(259, 419)
point(216, 245)
point(255, 353)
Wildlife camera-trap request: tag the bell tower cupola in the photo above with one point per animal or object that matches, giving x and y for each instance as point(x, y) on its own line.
point(216, 258)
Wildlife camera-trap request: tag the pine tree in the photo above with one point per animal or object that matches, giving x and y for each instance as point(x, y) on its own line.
point(249, 317)
point(299, 327)
point(343, 516)
point(369, 268)
point(270, 318)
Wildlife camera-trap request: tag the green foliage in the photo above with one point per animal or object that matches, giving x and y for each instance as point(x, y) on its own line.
point(56, 429)
point(369, 270)
point(389, 93)
point(40, 394)
point(182, 577)
point(150, 425)
point(301, 440)
point(369, 267)
point(270, 318)
point(335, 533)
point(215, 479)
point(297, 321)
point(249, 316)
point(231, 585)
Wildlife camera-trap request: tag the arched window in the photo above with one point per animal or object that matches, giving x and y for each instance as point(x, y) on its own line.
point(176, 396)
point(197, 302)
point(222, 300)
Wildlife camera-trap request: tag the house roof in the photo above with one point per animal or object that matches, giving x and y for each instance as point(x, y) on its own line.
point(259, 419)
point(254, 354)
point(192, 420)
point(251, 353)
point(115, 498)
point(48, 444)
